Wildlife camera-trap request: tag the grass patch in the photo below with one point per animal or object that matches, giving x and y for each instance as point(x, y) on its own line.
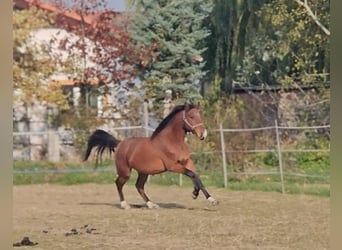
point(57, 173)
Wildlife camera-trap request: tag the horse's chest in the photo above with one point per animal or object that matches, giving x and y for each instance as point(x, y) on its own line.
point(180, 155)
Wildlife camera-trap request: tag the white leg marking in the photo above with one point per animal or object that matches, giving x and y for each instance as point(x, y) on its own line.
point(150, 204)
point(124, 205)
point(213, 201)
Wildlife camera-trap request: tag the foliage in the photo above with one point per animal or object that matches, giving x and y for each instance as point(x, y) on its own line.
point(267, 42)
point(242, 111)
point(287, 46)
point(232, 25)
point(102, 39)
point(175, 30)
point(92, 48)
point(33, 65)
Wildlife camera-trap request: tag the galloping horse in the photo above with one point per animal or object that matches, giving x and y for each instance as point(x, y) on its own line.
point(164, 151)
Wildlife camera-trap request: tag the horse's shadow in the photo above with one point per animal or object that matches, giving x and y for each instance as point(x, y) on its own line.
point(135, 205)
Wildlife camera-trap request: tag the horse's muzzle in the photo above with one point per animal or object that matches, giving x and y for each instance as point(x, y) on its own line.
point(204, 135)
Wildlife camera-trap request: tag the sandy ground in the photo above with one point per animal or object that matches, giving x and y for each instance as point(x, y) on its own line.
point(88, 217)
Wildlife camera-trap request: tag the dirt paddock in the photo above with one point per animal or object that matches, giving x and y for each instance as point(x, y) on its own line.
point(88, 217)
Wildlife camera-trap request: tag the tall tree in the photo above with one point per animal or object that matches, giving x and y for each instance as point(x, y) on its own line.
point(232, 22)
point(175, 30)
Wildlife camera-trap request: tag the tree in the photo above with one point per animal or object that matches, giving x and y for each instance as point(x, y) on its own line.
point(314, 16)
point(231, 24)
point(267, 42)
point(112, 54)
point(175, 30)
point(33, 65)
point(287, 47)
point(99, 41)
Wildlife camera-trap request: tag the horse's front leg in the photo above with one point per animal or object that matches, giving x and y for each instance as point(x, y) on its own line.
point(196, 191)
point(198, 185)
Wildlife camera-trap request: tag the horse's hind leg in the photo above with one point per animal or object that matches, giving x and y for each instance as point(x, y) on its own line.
point(140, 187)
point(120, 181)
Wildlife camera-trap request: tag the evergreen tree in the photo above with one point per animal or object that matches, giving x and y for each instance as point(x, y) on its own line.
point(175, 29)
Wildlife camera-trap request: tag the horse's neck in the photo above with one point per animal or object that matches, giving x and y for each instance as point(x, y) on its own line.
point(174, 131)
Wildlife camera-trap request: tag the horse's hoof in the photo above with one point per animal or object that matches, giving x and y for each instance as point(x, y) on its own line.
point(151, 205)
point(213, 201)
point(124, 205)
point(195, 194)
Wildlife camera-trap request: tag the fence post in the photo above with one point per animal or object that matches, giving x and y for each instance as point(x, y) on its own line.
point(223, 150)
point(146, 118)
point(280, 158)
point(53, 146)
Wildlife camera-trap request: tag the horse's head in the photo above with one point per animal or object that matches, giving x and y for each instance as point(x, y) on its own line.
point(193, 121)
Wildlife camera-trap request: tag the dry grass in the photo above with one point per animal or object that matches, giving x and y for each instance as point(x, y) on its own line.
point(243, 220)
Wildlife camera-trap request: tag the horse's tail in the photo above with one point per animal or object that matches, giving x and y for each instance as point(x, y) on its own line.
point(102, 140)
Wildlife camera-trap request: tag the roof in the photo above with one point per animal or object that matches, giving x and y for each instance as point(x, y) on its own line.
point(241, 88)
point(72, 17)
point(25, 4)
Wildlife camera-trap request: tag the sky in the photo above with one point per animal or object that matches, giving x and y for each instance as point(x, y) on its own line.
point(118, 5)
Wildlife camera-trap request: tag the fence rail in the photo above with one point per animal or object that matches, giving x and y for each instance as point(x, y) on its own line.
point(268, 128)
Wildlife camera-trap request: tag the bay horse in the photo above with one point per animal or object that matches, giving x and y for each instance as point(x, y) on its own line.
point(164, 151)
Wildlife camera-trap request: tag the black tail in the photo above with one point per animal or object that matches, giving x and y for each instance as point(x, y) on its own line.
point(102, 140)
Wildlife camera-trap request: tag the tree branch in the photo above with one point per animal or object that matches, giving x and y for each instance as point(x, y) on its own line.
point(308, 9)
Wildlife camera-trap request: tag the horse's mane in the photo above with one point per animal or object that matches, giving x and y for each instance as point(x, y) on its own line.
point(168, 118)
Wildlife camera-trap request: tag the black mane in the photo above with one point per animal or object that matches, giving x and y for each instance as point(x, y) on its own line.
point(168, 118)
